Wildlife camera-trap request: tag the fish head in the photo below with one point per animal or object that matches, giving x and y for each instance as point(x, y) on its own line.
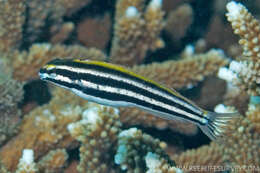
point(49, 71)
point(58, 72)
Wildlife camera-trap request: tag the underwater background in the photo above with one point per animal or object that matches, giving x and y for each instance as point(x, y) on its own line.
point(209, 51)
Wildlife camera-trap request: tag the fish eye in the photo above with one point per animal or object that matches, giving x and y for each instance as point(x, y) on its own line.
point(53, 75)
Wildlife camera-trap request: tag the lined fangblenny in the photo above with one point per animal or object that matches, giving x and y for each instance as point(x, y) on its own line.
point(114, 85)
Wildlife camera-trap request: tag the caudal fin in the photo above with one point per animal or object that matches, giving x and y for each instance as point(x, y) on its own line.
point(217, 124)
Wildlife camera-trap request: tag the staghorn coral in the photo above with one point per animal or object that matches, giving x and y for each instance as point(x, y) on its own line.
point(72, 6)
point(248, 28)
point(53, 162)
point(11, 92)
point(44, 136)
point(254, 116)
point(123, 5)
point(42, 12)
point(97, 131)
point(156, 164)
point(136, 31)
point(242, 145)
point(204, 159)
point(38, 12)
point(11, 21)
point(236, 98)
point(63, 33)
point(27, 64)
point(133, 148)
point(10, 118)
point(176, 74)
point(44, 128)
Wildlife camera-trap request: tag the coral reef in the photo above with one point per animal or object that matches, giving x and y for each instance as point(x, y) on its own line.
point(171, 42)
point(11, 92)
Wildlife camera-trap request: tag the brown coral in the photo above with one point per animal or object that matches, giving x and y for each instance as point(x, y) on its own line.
point(242, 145)
point(11, 92)
point(97, 131)
point(183, 73)
point(156, 163)
point(12, 17)
point(134, 146)
point(54, 161)
point(136, 32)
point(44, 129)
point(42, 12)
point(204, 159)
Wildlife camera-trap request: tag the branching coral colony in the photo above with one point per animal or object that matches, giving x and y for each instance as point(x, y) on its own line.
point(42, 140)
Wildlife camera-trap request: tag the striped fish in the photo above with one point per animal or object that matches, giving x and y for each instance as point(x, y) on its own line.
point(114, 85)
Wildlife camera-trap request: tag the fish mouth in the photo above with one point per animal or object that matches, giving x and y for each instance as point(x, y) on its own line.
point(43, 76)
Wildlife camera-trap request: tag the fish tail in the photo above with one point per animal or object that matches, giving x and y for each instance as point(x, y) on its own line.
point(217, 124)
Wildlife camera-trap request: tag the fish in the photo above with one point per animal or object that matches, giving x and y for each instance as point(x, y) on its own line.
point(114, 85)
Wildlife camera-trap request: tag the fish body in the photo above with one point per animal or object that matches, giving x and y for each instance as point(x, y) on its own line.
point(113, 85)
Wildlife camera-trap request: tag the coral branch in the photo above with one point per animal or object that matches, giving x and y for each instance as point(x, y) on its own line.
point(133, 148)
point(248, 28)
point(97, 131)
point(242, 144)
point(12, 17)
point(205, 158)
point(179, 74)
point(136, 31)
point(11, 92)
point(54, 161)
